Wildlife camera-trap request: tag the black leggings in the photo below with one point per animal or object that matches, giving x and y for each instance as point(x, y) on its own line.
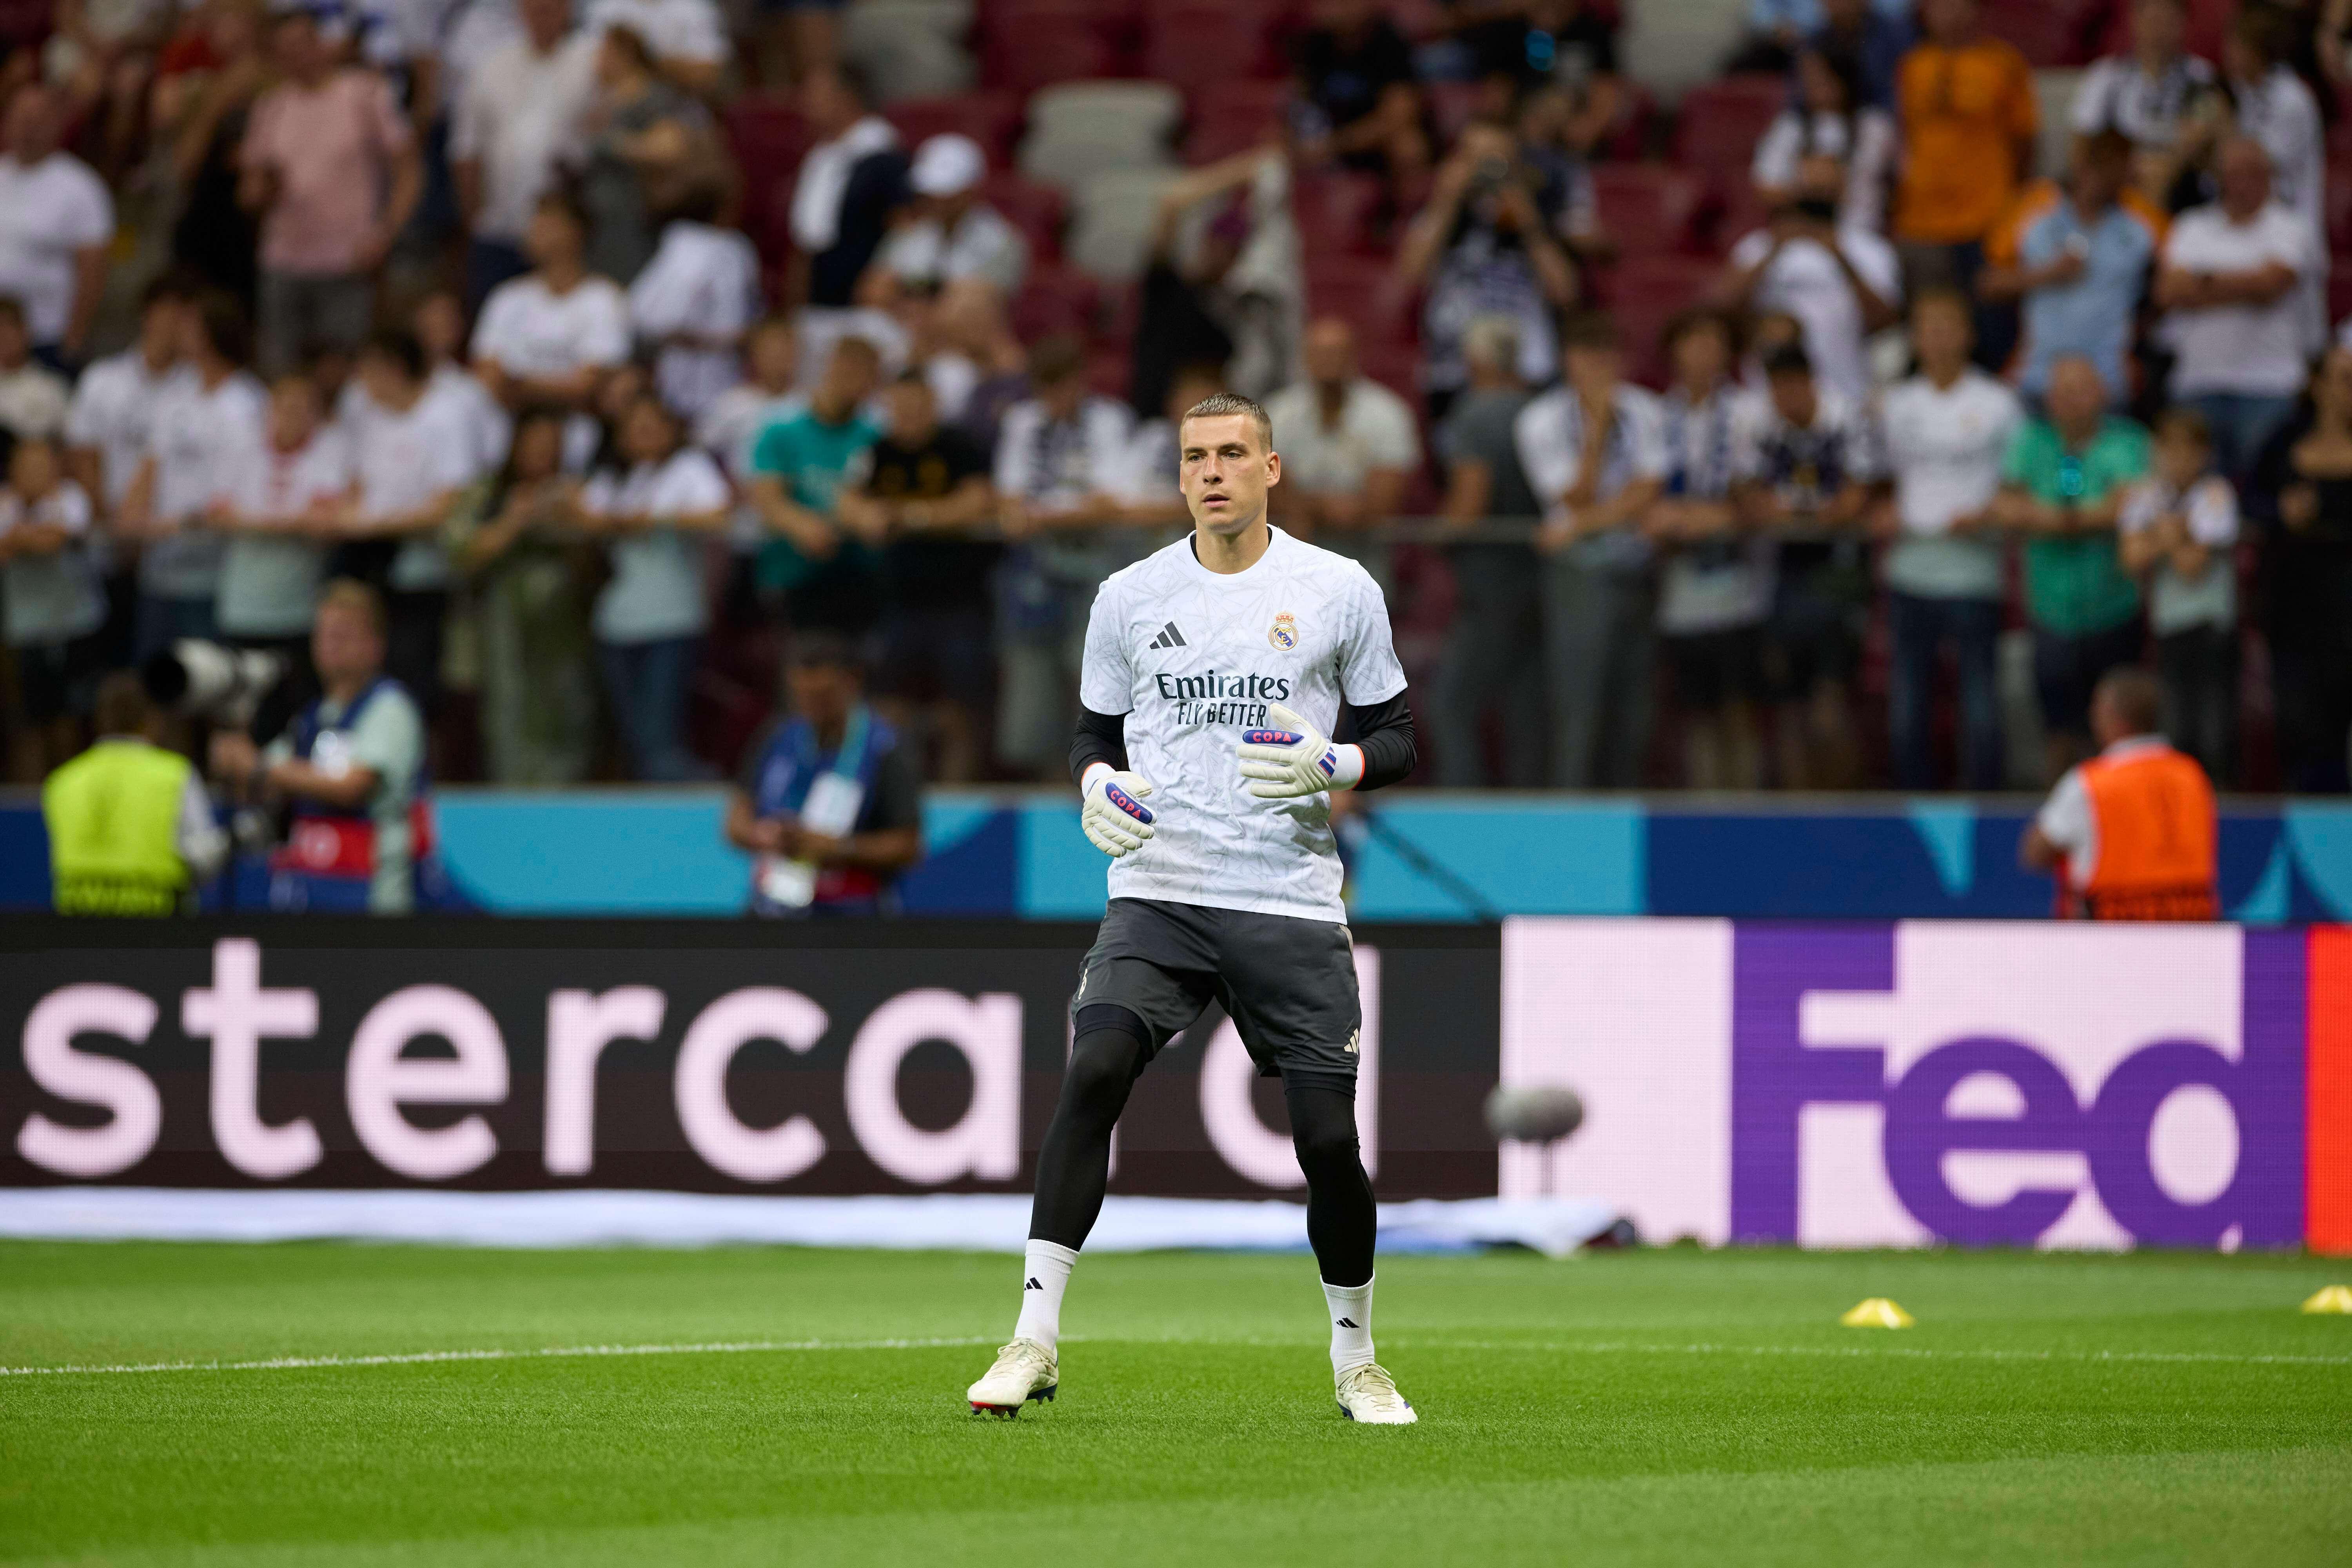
point(1110, 1054)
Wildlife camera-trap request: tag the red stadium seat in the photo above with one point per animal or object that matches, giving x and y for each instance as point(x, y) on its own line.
point(1039, 212)
point(1055, 300)
point(1336, 212)
point(2049, 34)
point(991, 119)
point(1232, 117)
point(1645, 208)
point(1366, 293)
point(1193, 45)
point(2208, 24)
point(1643, 295)
point(1720, 122)
point(1451, 106)
point(26, 23)
point(1110, 370)
point(769, 138)
point(1033, 44)
point(1737, 213)
point(1637, 125)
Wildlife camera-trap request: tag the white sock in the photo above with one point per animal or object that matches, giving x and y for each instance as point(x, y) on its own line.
point(1045, 1275)
point(1352, 1325)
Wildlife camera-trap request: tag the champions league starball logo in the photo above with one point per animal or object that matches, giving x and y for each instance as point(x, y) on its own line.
point(1285, 633)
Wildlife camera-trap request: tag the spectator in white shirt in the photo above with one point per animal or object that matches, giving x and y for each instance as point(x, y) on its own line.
point(1805, 460)
point(2274, 108)
point(688, 37)
point(732, 421)
point(1840, 279)
point(284, 509)
point(1829, 118)
point(1716, 591)
point(1062, 460)
point(2230, 285)
point(693, 303)
point(412, 457)
point(32, 397)
point(953, 235)
point(1594, 452)
point(849, 185)
point(2160, 95)
point(2179, 532)
point(520, 121)
point(1349, 448)
point(553, 335)
point(1945, 433)
point(441, 330)
point(655, 513)
point(56, 224)
point(50, 606)
point(205, 423)
point(114, 403)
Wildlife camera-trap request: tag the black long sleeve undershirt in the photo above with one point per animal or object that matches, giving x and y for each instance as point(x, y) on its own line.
point(1384, 731)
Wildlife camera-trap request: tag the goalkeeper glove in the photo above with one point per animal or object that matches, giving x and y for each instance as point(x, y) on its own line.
point(1114, 815)
point(1293, 759)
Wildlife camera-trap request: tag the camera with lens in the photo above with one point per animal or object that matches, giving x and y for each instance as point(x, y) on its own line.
point(205, 680)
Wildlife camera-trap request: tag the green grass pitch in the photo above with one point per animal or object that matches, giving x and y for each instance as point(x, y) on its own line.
point(1671, 1406)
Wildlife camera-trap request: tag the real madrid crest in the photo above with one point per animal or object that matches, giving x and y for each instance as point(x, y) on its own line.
point(1284, 635)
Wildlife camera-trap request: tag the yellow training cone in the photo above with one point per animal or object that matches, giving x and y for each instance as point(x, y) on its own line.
point(2334, 1299)
point(1878, 1312)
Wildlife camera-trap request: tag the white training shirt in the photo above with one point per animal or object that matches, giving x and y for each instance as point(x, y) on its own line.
point(1194, 658)
point(49, 211)
point(2251, 349)
point(113, 412)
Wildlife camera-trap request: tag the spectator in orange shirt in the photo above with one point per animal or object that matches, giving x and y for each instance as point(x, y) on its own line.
point(1969, 115)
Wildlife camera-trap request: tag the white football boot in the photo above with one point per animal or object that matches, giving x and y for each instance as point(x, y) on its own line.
point(1024, 1370)
point(1367, 1393)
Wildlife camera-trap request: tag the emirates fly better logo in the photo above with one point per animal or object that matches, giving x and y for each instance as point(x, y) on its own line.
point(1212, 698)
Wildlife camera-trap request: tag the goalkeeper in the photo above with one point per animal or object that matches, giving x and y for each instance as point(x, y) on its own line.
point(1214, 673)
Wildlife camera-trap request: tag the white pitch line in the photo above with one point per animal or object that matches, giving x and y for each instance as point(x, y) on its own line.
point(1583, 1347)
point(419, 1358)
point(2227, 1358)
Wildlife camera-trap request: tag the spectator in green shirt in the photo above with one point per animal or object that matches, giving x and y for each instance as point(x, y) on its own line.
point(2062, 488)
point(823, 576)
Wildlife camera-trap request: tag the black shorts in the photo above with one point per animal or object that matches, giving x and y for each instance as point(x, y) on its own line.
point(2066, 669)
point(59, 680)
point(938, 655)
point(1288, 985)
point(1818, 615)
point(1715, 669)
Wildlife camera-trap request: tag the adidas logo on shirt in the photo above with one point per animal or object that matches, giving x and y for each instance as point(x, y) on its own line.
point(1170, 637)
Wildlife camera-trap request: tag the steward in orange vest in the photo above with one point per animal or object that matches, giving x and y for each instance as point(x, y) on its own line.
point(2130, 834)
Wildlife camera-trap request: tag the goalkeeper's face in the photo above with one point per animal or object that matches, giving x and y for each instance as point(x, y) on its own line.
point(1227, 468)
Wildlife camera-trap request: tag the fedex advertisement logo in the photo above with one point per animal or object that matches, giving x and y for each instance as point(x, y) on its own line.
point(2050, 1085)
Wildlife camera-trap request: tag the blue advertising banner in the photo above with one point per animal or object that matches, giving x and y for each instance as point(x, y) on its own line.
point(1413, 856)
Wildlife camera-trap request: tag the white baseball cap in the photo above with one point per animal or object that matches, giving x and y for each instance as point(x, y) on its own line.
point(948, 165)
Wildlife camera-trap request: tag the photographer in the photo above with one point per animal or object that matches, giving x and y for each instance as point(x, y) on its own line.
point(1839, 281)
point(1483, 247)
point(352, 765)
point(131, 832)
point(828, 802)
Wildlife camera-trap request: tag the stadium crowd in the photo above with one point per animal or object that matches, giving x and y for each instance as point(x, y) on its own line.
point(1803, 438)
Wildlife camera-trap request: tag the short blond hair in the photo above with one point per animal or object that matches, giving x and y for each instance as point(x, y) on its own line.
point(1225, 403)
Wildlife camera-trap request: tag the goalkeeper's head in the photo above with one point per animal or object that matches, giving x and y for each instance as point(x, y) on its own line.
point(1227, 463)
